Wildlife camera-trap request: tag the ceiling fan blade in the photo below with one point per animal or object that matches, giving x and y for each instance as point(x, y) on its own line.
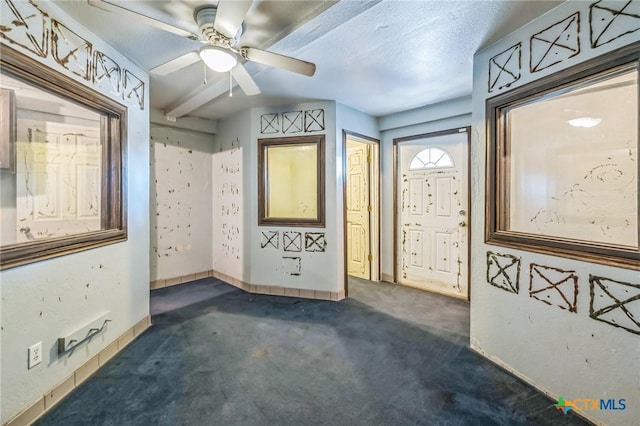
point(278, 61)
point(244, 80)
point(229, 16)
point(176, 64)
point(112, 7)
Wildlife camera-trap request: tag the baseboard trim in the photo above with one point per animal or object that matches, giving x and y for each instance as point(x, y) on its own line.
point(500, 363)
point(280, 291)
point(250, 288)
point(387, 277)
point(51, 398)
point(168, 282)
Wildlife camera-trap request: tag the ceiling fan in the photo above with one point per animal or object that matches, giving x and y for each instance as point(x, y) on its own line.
point(220, 29)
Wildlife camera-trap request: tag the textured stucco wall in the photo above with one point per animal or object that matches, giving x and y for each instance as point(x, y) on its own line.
point(47, 299)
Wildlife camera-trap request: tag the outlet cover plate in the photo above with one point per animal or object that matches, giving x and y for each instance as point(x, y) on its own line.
point(35, 355)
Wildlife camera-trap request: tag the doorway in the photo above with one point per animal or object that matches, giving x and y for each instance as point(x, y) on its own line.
point(362, 206)
point(432, 211)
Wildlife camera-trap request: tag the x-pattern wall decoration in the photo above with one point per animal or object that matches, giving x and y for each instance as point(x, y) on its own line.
point(615, 302)
point(133, 89)
point(504, 68)
point(269, 123)
point(24, 25)
point(292, 266)
point(292, 122)
point(555, 44)
point(315, 241)
point(270, 239)
point(292, 241)
point(106, 73)
point(503, 271)
point(611, 19)
point(314, 120)
point(554, 286)
point(70, 50)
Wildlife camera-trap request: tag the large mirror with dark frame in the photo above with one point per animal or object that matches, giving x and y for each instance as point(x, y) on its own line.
point(291, 181)
point(61, 175)
point(563, 163)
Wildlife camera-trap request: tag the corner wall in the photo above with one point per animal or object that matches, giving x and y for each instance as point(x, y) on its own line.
point(562, 353)
point(231, 172)
point(181, 184)
point(45, 300)
point(292, 264)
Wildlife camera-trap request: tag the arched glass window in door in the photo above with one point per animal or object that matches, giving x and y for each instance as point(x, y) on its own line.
point(431, 158)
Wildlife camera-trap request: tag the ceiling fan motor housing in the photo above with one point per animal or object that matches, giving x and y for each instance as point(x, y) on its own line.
point(205, 17)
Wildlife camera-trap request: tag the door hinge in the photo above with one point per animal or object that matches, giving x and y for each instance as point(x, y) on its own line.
point(370, 257)
point(369, 159)
point(370, 208)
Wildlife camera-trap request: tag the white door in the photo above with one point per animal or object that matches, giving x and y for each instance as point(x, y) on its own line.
point(433, 213)
point(358, 210)
point(58, 174)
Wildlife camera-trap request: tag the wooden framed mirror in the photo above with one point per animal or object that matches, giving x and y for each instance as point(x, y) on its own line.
point(291, 181)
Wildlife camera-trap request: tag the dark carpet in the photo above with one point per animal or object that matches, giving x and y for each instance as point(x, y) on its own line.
point(388, 355)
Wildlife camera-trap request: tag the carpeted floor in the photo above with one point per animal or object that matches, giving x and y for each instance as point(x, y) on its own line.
point(388, 355)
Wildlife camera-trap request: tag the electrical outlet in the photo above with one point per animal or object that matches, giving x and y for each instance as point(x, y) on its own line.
point(35, 355)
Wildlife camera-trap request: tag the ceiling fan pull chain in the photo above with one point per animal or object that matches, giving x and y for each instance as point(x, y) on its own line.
point(230, 83)
point(205, 73)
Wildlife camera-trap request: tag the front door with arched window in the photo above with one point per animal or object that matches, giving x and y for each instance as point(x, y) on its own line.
point(432, 233)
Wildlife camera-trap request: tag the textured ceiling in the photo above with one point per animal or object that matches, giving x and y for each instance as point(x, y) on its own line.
point(379, 57)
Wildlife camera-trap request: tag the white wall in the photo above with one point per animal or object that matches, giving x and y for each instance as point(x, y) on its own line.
point(230, 171)
point(44, 300)
point(448, 115)
point(565, 354)
point(181, 185)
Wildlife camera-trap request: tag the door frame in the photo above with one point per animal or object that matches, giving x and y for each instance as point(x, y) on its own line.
point(396, 159)
point(374, 250)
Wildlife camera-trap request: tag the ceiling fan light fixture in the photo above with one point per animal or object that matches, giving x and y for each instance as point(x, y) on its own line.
point(217, 58)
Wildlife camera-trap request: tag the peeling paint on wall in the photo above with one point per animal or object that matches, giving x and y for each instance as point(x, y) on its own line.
point(292, 266)
point(227, 203)
point(180, 220)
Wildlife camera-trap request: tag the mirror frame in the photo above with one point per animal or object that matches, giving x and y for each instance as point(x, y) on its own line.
point(263, 182)
point(114, 129)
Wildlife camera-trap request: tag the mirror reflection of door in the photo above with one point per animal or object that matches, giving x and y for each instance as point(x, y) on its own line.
point(361, 208)
point(433, 213)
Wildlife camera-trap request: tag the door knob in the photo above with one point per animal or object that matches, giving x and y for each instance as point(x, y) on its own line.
point(462, 224)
